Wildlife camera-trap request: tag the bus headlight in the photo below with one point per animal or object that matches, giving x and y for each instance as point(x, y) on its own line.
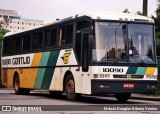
point(95, 75)
point(101, 75)
point(151, 77)
point(107, 75)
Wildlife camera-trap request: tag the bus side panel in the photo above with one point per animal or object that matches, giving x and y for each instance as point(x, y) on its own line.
point(66, 60)
point(28, 77)
point(47, 68)
point(10, 75)
point(56, 83)
point(58, 78)
point(4, 77)
point(86, 82)
point(34, 71)
point(77, 75)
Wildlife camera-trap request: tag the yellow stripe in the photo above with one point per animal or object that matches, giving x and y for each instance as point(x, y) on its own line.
point(36, 59)
point(33, 71)
point(150, 70)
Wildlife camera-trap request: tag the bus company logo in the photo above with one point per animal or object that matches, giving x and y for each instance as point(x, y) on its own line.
point(65, 58)
point(6, 108)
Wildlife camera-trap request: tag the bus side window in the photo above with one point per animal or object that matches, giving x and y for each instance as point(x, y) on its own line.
point(47, 37)
point(62, 36)
point(53, 39)
point(69, 34)
point(65, 34)
point(40, 40)
point(26, 42)
point(7, 46)
point(13, 45)
point(18, 44)
point(34, 40)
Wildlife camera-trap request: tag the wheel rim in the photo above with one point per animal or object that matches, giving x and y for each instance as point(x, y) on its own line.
point(16, 84)
point(70, 86)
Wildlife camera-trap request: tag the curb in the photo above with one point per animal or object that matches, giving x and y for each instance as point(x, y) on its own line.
point(145, 97)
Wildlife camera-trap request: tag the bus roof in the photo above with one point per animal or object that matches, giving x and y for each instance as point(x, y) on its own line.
point(97, 15)
point(116, 16)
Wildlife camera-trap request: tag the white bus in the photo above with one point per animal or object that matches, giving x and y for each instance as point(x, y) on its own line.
point(92, 53)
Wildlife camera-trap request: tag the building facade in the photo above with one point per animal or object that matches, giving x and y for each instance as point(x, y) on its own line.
point(15, 22)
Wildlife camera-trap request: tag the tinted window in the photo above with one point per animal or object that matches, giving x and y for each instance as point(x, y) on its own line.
point(66, 34)
point(47, 37)
point(16, 45)
point(53, 37)
point(40, 40)
point(34, 41)
point(26, 42)
point(83, 24)
point(7, 46)
point(69, 34)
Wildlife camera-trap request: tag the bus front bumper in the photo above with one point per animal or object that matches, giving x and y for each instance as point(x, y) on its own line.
point(123, 86)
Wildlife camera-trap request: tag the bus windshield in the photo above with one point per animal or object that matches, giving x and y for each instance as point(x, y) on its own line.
point(123, 42)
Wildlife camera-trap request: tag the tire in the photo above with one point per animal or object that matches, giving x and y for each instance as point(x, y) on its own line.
point(56, 94)
point(123, 97)
point(70, 89)
point(17, 88)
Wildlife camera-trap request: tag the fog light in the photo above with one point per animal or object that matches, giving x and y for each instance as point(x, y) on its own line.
point(151, 86)
point(95, 75)
point(101, 75)
point(104, 86)
point(107, 75)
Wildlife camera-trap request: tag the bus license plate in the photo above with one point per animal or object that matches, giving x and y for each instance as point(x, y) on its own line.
point(128, 85)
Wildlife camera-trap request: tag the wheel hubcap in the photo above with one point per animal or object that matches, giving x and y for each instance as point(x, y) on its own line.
point(70, 87)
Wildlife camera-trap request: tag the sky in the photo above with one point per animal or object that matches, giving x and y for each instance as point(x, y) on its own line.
point(50, 10)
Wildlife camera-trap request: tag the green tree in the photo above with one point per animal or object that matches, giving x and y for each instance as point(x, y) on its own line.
point(157, 27)
point(2, 33)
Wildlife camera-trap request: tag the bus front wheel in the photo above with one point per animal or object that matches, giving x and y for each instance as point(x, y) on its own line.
point(123, 97)
point(70, 89)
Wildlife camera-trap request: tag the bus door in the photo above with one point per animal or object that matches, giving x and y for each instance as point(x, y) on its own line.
point(85, 63)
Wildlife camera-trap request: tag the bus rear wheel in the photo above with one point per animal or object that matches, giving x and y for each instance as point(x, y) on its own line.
point(17, 88)
point(123, 97)
point(70, 89)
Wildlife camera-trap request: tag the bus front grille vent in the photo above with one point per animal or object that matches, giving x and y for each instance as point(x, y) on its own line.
point(132, 76)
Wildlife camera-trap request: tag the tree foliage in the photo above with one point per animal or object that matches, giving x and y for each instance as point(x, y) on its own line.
point(2, 33)
point(157, 27)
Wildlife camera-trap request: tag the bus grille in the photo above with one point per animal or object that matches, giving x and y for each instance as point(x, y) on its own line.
point(132, 76)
